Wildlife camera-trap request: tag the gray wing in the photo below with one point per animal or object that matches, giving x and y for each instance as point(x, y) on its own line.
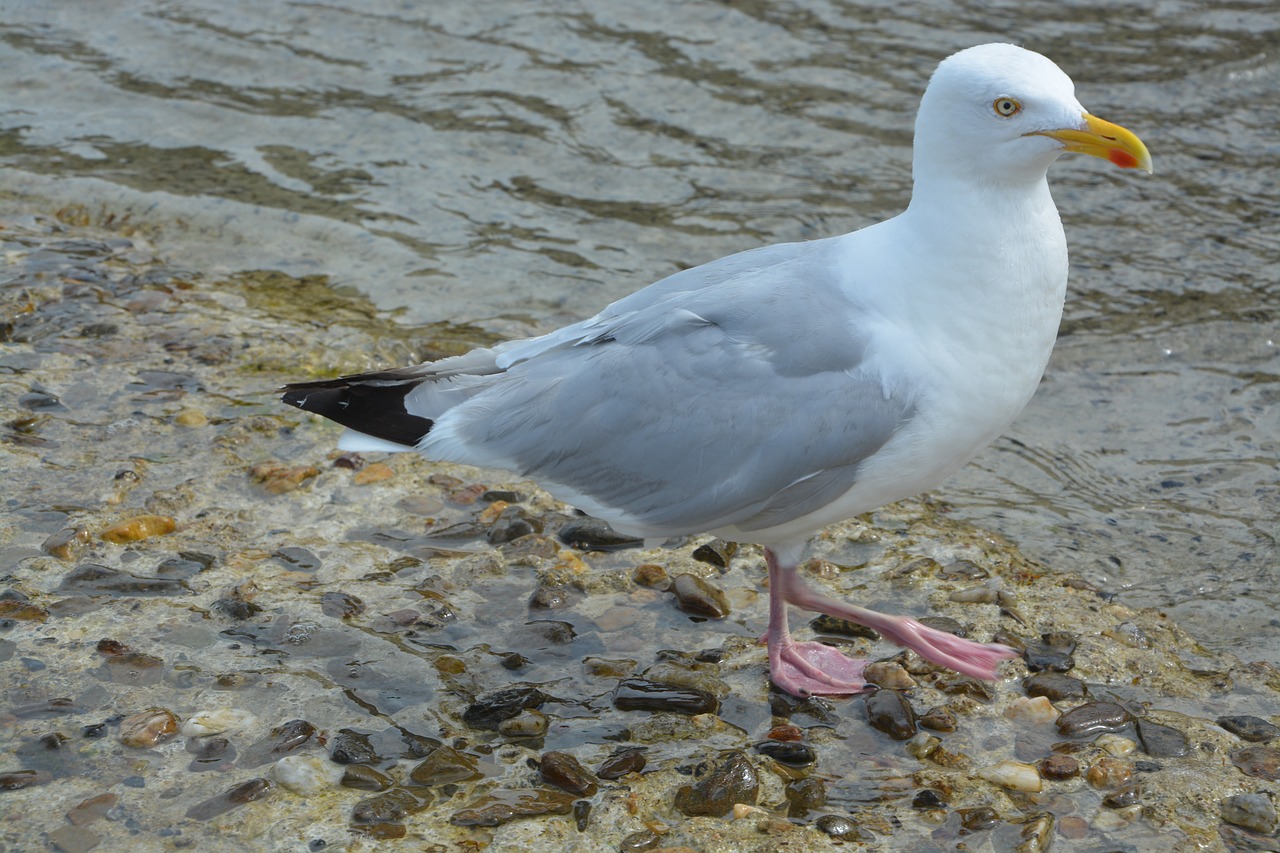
point(742, 402)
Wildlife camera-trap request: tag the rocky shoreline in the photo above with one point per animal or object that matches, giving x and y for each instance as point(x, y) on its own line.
point(218, 633)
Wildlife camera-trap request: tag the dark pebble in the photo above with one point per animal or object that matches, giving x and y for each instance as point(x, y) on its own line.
point(792, 754)
point(938, 720)
point(365, 778)
point(506, 805)
point(280, 741)
point(297, 558)
point(842, 628)
point(235, 607)
point(640, 694)
point(944, 623)
point(1253, 811)
point(1161, 741)
point(507, 495)
point(928, 799)
point(622, 762)
point(955, 684)
point(213, 753)
point(1252, 729)
point(443, 766)
point(696, 596)
point(1122, 797)
point(1091, 718)
point(135, 669)
point(16, 780)
point(247, 792)
point(1054, 686)
point(589, 534)
point(1261, 762)
point(841, 827)
point(581, 814)
point(341, 605)
point(979, 818)
point(186, 564)
point(492, 708)
point(92, 579)
point(1053, 653)
point(389, 831)
point(548, 598)
point(717, 552)
point(890, 712)
point(732, 780)
point(805, 795)
point(1057, 767)
point(511, 524)
point(564, 771)
point(351, 747)
point(384, 808)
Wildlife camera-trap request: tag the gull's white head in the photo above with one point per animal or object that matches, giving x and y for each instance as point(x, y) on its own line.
point(1000, 114)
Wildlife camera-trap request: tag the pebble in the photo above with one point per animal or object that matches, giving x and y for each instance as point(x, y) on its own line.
point(842, 627)
point(349, 746)
point(489, 710)
point(74, 839)
point(1054, 653)
point(888, 675)
point(281, 740)
point(134, 668)
point(306, 774)
point(717, 553)
point(502, 806)
point(1252, 729)
point(842, 828)
point(1036, 711)
point(1261, 762)
point(1122, 797)
point(1058, 767)
point(890, 712)
point(731, 780)
point(148, 728)
point(979, 818)
point(341, 605)
point(374, 472)
point(651, 575)
point(91, 809)
point(1013, 775)
point(1112, 820)
point(511, 524)
point(1161, 741)
point(445, 765)
point(365, 778)
point(640, 694)
point(66, 543)
point(1115, 744)
point(277, 478)
point(247, 792)
point(928, 799)
point(923, 745)
point(804, 795)
point(93, 579)
point(138, 528)
point(699, 598)
point(1252, 811)
point(526, 724)
point(1037, 834)
point(1093, 717)
point(1054, 686)
point(590, 534)
point(645, 839)
point(16, 780)
point(938, 720)
point(1109, 772)
point(22, 611)
point(385, 808)
point(620, 763)
point(564, 771)
point(790, 753)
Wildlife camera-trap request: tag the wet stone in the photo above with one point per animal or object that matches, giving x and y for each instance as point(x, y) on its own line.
point(148, 728)
point(645, 839)
point(1091, 718)
point(1122, 797)
point(564, 771)
point(651, 575)
point(16, 780)
point(365, 778)
point(492, 708)
point(928, 799)
point(135, 668)
point(247, 792)
point(138, 528)
point(74, 839)
point(841, 827)
point(526, 724)
point(699, 598)
point(955, 684)
point(1251, 811)
point(1261, 762)
point(66, 543)
point(1252, 729)
point(890, 712)
point(1054, 686)
point(306, 774)
point(22, 611)
point(511, 524)
point(589, 534)
point(1057, 767)
point(1161, 741)
point(640, 694)
point(790, 753)
point(622, 762)
point(1037, 834)
point(210, 754)
point(1109, 772)
point(280, 741)
point(1014, 775)
point(979, 818)
point(804, 796)
point(944, 623)
point(731, 780)
point(889, 675)
point(842, 627)
point(1053, 654)
point(717, 553)
point(445, 765)
point(340, 605)
point(548, 598)
point(94, 808)
point(93, 579)
point(938, 720)
point(351, 747)
point(503, 806)
point(384, 808)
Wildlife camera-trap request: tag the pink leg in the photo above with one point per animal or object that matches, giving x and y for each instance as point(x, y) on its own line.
point(963, 656)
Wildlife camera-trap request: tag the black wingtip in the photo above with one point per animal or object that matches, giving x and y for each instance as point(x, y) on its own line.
point(376, 410)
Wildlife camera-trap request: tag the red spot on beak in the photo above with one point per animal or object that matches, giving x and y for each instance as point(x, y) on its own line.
point(1123, 159)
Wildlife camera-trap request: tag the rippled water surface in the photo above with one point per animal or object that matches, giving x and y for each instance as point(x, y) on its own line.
point(521, 164)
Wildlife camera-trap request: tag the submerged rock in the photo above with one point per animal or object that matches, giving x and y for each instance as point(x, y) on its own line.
point(729, 781)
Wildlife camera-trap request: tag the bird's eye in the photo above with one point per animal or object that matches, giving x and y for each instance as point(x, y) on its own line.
point(1007, 107)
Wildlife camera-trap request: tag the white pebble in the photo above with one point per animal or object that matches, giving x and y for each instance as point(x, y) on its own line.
point(1110, 820)
point(306, 774)
point(205, 723)
point(1115, 744)
point(1013, 775)
point(1038, 711)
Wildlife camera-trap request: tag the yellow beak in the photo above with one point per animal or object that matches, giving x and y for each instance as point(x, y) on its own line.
point(1103, 139)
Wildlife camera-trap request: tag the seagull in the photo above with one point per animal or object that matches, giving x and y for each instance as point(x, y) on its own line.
point(765, 395)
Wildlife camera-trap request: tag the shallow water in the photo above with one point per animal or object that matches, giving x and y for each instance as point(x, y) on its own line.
point(518, 165)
